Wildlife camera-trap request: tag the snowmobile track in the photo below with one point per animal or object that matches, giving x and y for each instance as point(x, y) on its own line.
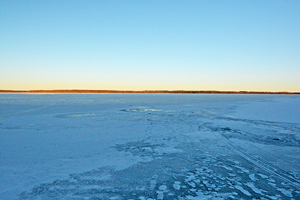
point(261, 163)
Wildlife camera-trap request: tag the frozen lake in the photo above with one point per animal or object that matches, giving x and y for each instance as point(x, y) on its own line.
point(149, 146)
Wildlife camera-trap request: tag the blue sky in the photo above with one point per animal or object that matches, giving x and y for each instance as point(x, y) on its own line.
point(150, 45)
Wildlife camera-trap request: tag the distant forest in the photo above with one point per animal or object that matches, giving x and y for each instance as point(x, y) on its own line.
point(145, 91)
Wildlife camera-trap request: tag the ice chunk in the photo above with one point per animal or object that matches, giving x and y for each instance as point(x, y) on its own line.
point(163, 187)
point(287, 193)
point(240, 188)
point(176, 185)
point(256, 190)
point(152, 184)
point(252, 177)
point(160, 194)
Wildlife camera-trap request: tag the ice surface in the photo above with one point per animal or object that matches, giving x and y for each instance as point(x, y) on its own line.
point(145, 146)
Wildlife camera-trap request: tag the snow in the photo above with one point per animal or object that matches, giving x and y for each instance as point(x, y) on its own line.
point(146, 146)
point(282, 109)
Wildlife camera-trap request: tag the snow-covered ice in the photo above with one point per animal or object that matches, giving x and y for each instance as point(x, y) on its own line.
point(149, 146)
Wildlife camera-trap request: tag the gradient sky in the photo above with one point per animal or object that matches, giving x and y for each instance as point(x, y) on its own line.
point(150, 45)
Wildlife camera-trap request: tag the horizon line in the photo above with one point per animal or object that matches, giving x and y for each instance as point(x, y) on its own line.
point(146, 91)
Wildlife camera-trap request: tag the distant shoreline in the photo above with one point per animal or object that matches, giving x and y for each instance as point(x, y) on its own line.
point(146, 91)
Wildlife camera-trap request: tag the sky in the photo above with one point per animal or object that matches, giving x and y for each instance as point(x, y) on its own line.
point(150, 45)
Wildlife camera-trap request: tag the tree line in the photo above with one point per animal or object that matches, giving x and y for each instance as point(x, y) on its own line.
point(146, 91)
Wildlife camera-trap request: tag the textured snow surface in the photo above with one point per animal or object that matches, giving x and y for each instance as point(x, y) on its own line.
point(146, 147)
